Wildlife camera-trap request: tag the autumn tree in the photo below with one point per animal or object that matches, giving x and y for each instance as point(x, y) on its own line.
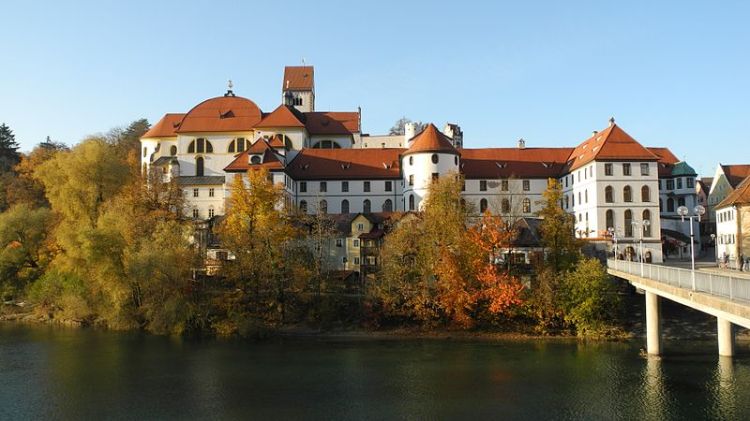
point(562, 248)
point(24, 188)
point(25, 250)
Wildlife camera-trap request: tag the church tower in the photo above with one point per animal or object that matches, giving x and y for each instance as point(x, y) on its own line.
point(430, 155)
point(298, 88)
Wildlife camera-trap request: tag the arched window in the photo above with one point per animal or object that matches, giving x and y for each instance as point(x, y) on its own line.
point(173, 150)
point(366, 206)
point(435, 158)
point(610, 218)
point(344, 206)
point(145, 151)
point(411, 202)
point(505, 206)
point(670, 205)
point(526, 205)
point(647, 227)
point(628, 223)
point(609, 194)
point(627, 194)
point(411, 160)
point(326, 144)
point(303, 206)
point(645, 194)
point(255, 159)
point(200, 145)
point(238, 145)
point(199, 166)
point(323, 206)
point(388, 205)
point(482, 205)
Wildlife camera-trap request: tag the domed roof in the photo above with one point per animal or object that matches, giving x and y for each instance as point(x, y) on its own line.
point(431, 140)
point(221, 114)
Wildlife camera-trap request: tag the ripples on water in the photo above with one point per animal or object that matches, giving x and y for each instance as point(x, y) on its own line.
point(53, 373)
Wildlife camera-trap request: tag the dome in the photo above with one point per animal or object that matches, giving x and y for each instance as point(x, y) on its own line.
point(431, 140)
point(221, 114)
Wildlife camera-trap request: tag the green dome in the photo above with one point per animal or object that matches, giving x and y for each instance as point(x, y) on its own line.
point(682, 168)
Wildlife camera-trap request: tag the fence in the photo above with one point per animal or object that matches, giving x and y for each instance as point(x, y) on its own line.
point(714, 284)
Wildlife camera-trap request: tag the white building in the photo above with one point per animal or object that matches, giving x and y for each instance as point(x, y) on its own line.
point(733, 225)
point(611, 183)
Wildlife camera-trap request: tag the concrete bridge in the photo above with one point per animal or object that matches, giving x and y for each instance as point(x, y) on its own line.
point(725, 297)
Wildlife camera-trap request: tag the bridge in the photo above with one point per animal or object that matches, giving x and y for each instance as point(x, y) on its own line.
point(725, 297)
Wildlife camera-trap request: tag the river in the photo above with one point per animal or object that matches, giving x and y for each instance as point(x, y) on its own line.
point(60, 373)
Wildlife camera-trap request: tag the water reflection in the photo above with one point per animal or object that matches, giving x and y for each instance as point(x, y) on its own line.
point(654, 392)
point(723, 388)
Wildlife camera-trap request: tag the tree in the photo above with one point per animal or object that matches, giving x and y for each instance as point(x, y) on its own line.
point(590, 298)
point(24, 188)
point(557, 230)
point(24, 247)
point(399, 127)
point(8, 149)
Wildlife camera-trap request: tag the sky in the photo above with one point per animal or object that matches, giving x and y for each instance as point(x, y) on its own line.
point(674, 74)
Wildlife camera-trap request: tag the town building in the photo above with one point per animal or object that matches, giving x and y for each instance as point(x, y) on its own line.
point(733, 226)
point(618, 191)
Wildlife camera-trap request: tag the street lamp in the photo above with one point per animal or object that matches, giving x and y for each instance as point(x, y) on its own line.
point(713, 242)
point(683, 212)
point(640, 240)
point(613, 235)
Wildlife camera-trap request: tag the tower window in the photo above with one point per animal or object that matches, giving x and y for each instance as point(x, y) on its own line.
point(435, 158)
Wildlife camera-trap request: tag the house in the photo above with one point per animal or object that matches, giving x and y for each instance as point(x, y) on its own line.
point(733, 225)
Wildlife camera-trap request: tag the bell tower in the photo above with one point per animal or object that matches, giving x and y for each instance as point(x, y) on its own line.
point(298, 88)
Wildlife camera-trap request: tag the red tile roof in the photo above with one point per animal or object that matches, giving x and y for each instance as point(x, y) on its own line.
point(514, 162)
point(331, 122)
point(282, 116)
point(611, 143)
point(277, 141)
point(166, 127)
point(298, 78)
point(431, 140)
point(740, 195)
point(242, 162)
point(221, 114)
point(736, 173)
point(666, 160)
point(334, 164)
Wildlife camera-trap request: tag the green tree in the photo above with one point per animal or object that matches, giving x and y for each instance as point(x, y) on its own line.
point(24, 247)
point(557, 230)
point(9, 155)
point(24, 188)
point(590, 298)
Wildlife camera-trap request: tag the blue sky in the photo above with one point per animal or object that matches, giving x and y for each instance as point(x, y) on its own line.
point(673, 74)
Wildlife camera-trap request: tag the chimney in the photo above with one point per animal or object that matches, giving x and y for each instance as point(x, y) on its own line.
point(521, 143)
point(594, 133)
point(611, 121)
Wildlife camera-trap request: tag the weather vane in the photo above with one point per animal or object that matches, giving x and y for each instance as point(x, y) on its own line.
point(230, 84)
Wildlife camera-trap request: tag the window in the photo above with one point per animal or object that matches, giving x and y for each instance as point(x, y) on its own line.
point(326, 144)
point(505, 206)
point(645, 194)
point(504, 185)
point(690, 182)
point(211, 212)
point(411, 202)
point(195, 192)
point(455, 160)
point(211, 192)
point(680, 201)
point(356, 260)
point(200, 145)
point(199, 170)
point(627, 194)
point(344, 186)
point(173, 150)
point(679, 183)
point(647, 227)
point(644, 168)
point(411, 179)
point(482, 205)
point(237, 145)
point(610, 217)
point(434, 158)
point(388, 205)
point(366, 206)
point(586, 196)
point(344, 206)
point(196, 214)
point(303, 206)
point(389, 186)
point(670, 205)
point(567, 201)
point(255, 159)
point(435, 176)
point(367, 186)
point(526, 185)
point(628, 223)
point(323, 187)
point(670, 184)
point(340, 243)
point(609, 194)
point(482, 185)
point(411, 160)
point(355, 243)
point(145, 151)
point(580, 202)
point(303, 186)
point(626, 169)
point(526, 205)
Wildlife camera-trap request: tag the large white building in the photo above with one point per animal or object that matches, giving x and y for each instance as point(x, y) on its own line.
point(327, 165)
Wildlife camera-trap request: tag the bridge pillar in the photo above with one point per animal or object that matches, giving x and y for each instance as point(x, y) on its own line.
point(726, 337)
point(653, 324)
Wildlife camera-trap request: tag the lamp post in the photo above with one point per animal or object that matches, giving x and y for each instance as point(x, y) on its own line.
point(635, 225)
point(683, 212)
point(613, 235)
point(713, 241)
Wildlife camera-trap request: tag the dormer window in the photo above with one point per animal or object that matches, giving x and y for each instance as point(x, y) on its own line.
point(255, 159)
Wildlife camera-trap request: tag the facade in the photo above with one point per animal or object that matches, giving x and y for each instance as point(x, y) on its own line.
point(612, 185)
point(733, 226)
point(725, 180)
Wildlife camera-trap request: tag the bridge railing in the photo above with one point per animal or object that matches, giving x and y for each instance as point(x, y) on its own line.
point(715, 284)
